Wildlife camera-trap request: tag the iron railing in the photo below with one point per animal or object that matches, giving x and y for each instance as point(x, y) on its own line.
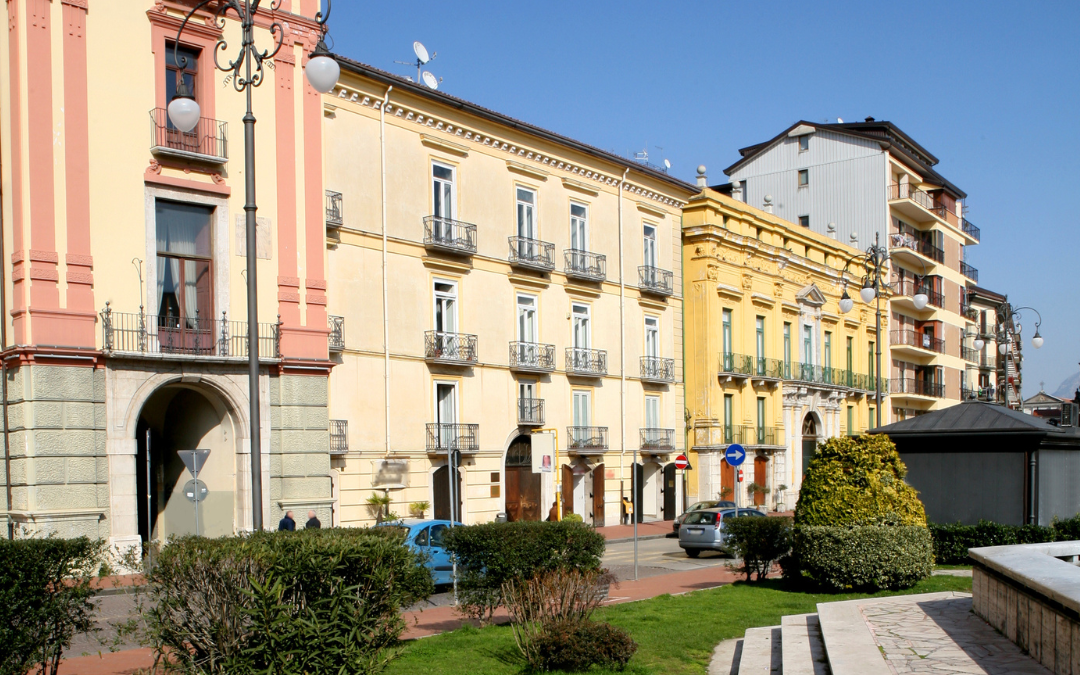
point(969, 354)
point(130, 333)
point(586, 361)
point(906, 191)
point(450, 235)
point(208, 141)
point(984, 394)
point(337, 332)
point(909, 288)
point(908, 237)
point(969, 271)
point(587, 438)
point(532, 356)
point(446, 437)
point(585, 265)
point(532, 253)
point(913, 338)
point(333, 209)
point(530, 411)
point(655, 280)
point(970, 230)
point(657, 369)
point(657, 439)
point(339, 437)
point(753, 435)
point(449, 347)
point(738, 365)
point(918, 387)
point(772, 369)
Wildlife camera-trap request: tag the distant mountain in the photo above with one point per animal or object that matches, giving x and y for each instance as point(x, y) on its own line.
point(1068, 387)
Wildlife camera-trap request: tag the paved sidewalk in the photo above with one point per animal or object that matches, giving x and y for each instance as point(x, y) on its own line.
point(654, 530)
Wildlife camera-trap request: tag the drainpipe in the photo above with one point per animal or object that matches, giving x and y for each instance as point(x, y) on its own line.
point(622, 377)
point(385, 308)
point(3, 373)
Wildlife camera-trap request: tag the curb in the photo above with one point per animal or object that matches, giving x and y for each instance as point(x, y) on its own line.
point(642, 537)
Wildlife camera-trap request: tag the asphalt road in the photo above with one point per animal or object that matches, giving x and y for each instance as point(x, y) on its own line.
point(656, 556)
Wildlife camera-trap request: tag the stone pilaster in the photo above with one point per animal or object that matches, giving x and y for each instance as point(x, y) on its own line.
point(299, 448)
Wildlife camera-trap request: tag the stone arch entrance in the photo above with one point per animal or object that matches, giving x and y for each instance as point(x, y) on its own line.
point(523, 487)
point(811, 433)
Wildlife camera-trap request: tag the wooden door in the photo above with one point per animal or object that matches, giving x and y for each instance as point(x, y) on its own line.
point(760, 466)
point(441, 492)
point(638, 491)
point(727, 480)
point(598, 495)
point(567, 489)
point(669, 491)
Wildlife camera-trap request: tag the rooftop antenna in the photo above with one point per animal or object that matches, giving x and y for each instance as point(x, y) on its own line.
point(422, 58)
point(667, 166)
point(430, 80)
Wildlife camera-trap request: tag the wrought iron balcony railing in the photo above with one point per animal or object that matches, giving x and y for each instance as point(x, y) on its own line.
point(337, 332)
point(590, 362)
point(913, 338)
point(587, 438)
point(532, 253)
point(207, 142)
point(768, 369)
point(339, 437)
point(456, 348)
point(971, 231)
point(984, 394)
point(333, 209)
point(906, 191)
point(657, 369)
point(449, 235)
point(969, 354)
point(585, 265)
point(443, 438)
point(736, 365)
point(128, 333)
point(532, 356)
point(908, 237)
point(657, 439)
point(768, 436)
point(909, 288)
point(655, 280)
point(530, 411)
point(969, 271)
point(918, 387)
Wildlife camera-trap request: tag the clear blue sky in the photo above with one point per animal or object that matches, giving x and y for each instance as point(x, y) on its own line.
point(991, 88)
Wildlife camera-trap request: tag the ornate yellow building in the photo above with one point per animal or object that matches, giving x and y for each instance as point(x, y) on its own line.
point(771, 363)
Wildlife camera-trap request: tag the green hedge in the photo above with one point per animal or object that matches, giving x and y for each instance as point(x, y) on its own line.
point(758, 542)
point(951, 542)
point(866, 557)
point(45, 599)
point(311, 601)
point(490, 554)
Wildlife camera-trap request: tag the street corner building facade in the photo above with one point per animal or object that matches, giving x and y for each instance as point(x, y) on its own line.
point(771, 363)
point(123, 273)
point(491, 280)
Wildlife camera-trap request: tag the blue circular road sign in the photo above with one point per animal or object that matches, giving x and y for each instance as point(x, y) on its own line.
point(735, 454)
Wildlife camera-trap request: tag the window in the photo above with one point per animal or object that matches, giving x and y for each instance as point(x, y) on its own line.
point(760, 341)
point(804, 221)
point(649, 246)
point(442, 180)
point(873, 418)
point(526, 306)
point(445, 402)
point(870, 359)
point(184, 265)
point(804, 177)
point(851, 420)
point(727, 332)
point(183, 61)
point(850, 354)
point(761, 419)
point(445, 306)
point(652, 412)
point(827, 351)
point(787, 349)
point(804, 142)
point(526, 390)
point(526, 213)
point(808, 345)
point(581, 327)
point(729, 429)
point(579, 228)
point(652, 336)
point(581, 409)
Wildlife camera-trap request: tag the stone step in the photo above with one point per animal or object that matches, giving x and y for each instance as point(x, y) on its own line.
point(725, 658)
point(761, 652)
point(802, 646)
point(849, 645)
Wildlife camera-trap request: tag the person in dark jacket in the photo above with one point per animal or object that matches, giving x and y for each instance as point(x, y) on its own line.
point(287, 524)
point(312, 521)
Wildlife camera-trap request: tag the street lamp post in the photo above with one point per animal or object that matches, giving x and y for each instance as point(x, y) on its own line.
point(247, 72)
point(1007, 332)
point(875, 264)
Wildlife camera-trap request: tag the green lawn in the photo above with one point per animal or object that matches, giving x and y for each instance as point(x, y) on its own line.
point(675, 634)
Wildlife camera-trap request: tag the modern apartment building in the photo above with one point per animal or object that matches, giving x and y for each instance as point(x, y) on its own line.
point(490, 279)
point(992, 376)
point(772, 364)
point(124, 308)
point(869, 182)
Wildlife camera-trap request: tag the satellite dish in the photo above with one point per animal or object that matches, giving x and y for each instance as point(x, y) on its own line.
point(837, 119)
point(421, 52)
point(667, 164)
point(430, 80)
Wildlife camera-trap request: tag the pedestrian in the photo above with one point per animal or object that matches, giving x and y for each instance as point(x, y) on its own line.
point(628, 510)
point(312, 522)
point(287, 524)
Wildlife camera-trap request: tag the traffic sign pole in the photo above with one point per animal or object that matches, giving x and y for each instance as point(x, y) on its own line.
point(735, 455)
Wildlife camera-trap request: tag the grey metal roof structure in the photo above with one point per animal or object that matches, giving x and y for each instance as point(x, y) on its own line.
point(974, 418)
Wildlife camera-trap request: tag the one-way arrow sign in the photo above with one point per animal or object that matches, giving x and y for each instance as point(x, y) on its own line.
point(735, 454)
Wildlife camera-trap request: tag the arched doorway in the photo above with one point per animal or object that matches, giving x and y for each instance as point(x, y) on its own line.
point(174, 418)
point(522, 485)
point(810, 435)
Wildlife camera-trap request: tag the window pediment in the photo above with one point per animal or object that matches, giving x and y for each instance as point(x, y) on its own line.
point(810, 295)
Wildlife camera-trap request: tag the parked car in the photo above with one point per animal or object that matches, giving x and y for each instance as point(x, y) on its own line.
point(704, 530)
point(426, 536)
point(698, 506)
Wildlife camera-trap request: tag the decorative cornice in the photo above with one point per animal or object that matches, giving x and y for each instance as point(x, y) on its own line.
point(731, 291)
point(446, 146)
point(580, 187)
point(652, 211)
point(518, 167)
point(457, 266)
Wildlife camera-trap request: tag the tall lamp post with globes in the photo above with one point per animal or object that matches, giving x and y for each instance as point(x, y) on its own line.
point(1007, 333)
point(322, 73)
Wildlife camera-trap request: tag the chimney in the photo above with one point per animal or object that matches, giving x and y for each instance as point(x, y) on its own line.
point(768, 203)
point(702, 179)
point(869, 119)
point(1068, 414)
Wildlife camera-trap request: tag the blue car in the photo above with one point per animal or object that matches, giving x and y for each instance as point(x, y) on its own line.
point(426, 536)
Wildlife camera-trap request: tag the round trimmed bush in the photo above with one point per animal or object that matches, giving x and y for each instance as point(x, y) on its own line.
point(865, 557)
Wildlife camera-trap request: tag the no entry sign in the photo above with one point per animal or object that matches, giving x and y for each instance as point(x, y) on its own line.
point(681, 462)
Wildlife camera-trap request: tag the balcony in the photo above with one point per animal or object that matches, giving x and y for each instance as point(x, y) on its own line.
point(969, 271)
point(970, 355)
point(530, 412)
point(767, 370)
point(657, 369)
point(657, 440)
point(654, 280)
point(532, 254)
point(970, 230)
point(984, 394)
point(916, 339)
point(752, 436)
point(450, 348)
point(531, 357)
point(443, 438)
point(339, 437)
point(584, 265)
point(337, 333)
point(736, 366)
point(907, 239)
point(153, 336)
point(586, 362)
point(333, 210)
point(207, 142)
point(917, 387)
point(445, 234)
point(587, 440)
point(907, 288)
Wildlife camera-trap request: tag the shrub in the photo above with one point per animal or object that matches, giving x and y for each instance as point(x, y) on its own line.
point(865, 557)
point(759, 542)
point(45, 596)
point(310, 601)
point(491, 554)
point(576, 646)
point(857, 481)
point(952, 541)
